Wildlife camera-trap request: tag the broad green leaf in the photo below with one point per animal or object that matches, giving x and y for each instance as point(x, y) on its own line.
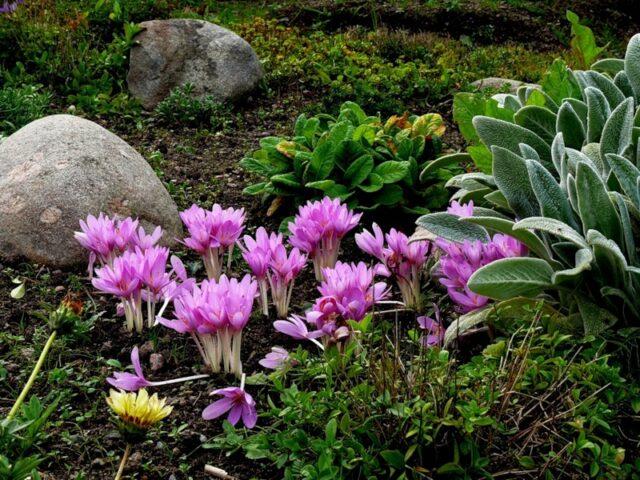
point(392, 171)
point(389, 195)
point(286, 180)
point(539, 120)
point(255, 189)
point(583, 41)
point(465, 107)
point(449, 227)
point(596, 209)
point(256, 166)
point(558, 82)
point(509, 136)
point(554, 227)
point(511, 177)
point(512, 277)
point(481, 156)
point(443, 161)
point(359, 170)
point(374, 184)
point(322, 162)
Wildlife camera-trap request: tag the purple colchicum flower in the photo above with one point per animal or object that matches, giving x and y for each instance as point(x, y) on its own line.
point(237, 402)
point(8, 7)
point(318, 228)
point(106, 238)
point(461, 209)
point(212, 233)
point(283, 270)
point(401, 259)
point(214, 313)
point(433, 329)
point(130, 382)
point(273, 268)
point(121, 279)
point(275, 359)
point(296, 328)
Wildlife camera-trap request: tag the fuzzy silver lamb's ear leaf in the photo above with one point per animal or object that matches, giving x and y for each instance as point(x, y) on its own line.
point(529, 153)
point(595, 319)
point(598, 112)
point(627, 174)
point(449, 227)
point(512, 277)
point(511, 177)
point(509, 136)
point(632, 64)
point(583, 261)
point(592, 152)
point(553, 227)
point(539, 120)
point(553, 201)
point(595, 207)
point(572, 192)
point(557, 155)
point(612, 66)
point(622, 82)
point(627, 229)
point(580, 108)
point(594, 79)
point(569, 124)
point(617, 131)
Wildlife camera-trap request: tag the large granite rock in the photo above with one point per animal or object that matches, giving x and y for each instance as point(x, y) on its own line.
point(498, 83)
point(57, 170)
point(172, 53)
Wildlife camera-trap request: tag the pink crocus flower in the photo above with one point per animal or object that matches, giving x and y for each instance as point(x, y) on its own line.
point(401, 259)
point(214, 313)
point(461, 209)
point(237, 402)
point(132, 382)
point(296, 328)
point(257, 253)
point(143, 241)
point(432, 328)
point(122, 280)
point(458, 261)
point(212, 233)
point(283, 270)
point(318, 229)
point(275, 359)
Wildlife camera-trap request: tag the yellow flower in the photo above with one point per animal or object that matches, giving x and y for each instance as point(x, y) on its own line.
point(138, 410)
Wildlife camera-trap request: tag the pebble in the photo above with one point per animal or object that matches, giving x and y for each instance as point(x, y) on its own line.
point(98, 462)
point(135, 460)
point(157, 361)
point(146, 348)
point(59, 288)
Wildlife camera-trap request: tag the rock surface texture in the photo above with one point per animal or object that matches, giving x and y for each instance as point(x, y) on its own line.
point(172, 53)
point(498, 83)
point(57, 170)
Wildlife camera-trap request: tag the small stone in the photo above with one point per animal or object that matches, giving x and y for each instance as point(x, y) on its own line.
point(135, 460)
point(157, 361)
point(98, 462)
point(146, 348)
point(59, 288)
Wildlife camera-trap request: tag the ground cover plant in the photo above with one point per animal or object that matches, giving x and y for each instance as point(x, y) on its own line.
point(298, 329)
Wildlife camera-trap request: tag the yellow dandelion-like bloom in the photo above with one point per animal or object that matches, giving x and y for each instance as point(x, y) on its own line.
point(138, 410)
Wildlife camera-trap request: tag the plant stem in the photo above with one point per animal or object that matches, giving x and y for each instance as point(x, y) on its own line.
point(34, 375)
point(123, 462)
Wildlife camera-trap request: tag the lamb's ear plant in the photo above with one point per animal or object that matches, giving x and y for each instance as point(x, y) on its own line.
point(565, 181)
point(355, 157)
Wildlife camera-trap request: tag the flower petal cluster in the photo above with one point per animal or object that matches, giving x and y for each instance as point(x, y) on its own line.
point(318, 228)
point(10, 6)
point(106, 238)
point(212, 233)
point(273, 267)
point(401, 259)
point(458, 261)
point(138, 410)
point(215, 313)
point(433, 329)
point(275, 359)
point(237, 402)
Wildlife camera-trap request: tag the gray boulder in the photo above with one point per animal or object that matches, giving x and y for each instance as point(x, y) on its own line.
point(172, 53)
point(57, 170)
point(498, 83)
